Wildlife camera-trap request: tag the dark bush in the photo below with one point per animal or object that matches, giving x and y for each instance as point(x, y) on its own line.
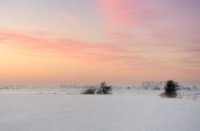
point(89, 91)
point(170, 88)
point(128, 87)
point(99, 91)
point(104, 89)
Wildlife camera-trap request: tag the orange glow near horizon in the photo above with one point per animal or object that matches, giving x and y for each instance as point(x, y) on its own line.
point(119, 41)
point(25, 66)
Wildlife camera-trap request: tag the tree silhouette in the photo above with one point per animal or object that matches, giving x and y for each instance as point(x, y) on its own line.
point(170, 88)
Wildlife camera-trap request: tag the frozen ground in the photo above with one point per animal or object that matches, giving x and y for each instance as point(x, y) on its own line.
point(125, 110)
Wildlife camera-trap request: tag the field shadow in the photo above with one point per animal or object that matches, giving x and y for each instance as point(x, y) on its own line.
point(169, 95)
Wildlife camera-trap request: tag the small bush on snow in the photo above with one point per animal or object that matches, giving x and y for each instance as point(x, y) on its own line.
point(89, 91)
point(170, 88)
point(104, 89)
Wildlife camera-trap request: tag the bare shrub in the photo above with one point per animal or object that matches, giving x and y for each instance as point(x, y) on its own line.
point(104, 89)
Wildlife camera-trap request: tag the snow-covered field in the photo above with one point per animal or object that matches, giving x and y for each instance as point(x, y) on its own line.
point(124, 110)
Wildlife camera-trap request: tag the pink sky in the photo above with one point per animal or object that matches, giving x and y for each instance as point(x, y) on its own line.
point(119, 41)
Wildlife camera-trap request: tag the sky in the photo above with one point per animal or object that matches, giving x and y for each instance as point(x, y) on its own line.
point(89, 41)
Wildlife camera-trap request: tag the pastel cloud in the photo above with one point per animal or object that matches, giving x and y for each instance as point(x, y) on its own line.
point(119, 11)
point(127, 58)
point(96, 52)
point(134, 35)
point(67, 47)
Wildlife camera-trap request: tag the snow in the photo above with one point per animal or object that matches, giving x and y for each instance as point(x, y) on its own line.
point(62, 107)
point(122, 111)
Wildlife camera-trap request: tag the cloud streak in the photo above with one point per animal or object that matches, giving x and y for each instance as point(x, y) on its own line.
point(96, 52)
point(68, 47)
point(120, 11)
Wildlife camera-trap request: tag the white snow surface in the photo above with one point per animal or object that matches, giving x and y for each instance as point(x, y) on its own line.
point(117, 112)
point(63, 108)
